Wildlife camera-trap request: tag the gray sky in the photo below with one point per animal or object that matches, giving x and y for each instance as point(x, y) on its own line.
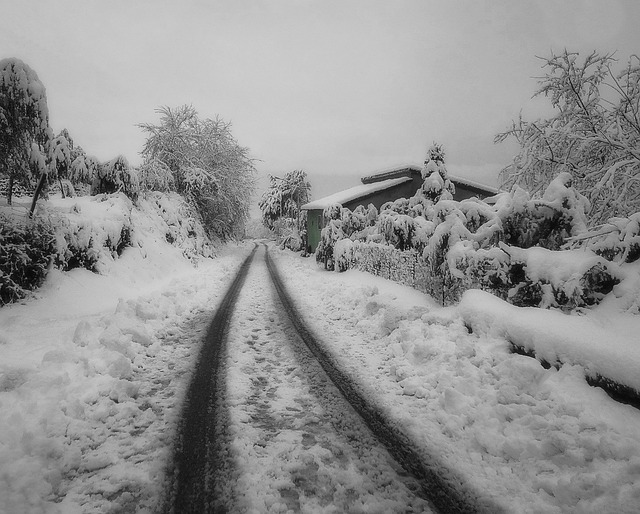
point(339, 88)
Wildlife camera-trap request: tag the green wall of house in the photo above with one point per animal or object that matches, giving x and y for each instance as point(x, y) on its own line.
point(314, 228)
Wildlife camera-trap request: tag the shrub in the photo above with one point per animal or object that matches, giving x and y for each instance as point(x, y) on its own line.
point(512, 248)
point(25, 254)
point(288, 234)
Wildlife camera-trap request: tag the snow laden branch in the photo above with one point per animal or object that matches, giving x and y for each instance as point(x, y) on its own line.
point(201, 160)
point(594, 134)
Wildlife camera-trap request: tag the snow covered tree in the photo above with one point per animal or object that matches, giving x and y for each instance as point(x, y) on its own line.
point(280, 205)
point(284, 197)
point(60, 148)
point(84, 168)
point(330, 235)
point(155, 175)
point(24, 123)
point(594, 134)
point(114, 176)
point(207, 165)
point(436, 179)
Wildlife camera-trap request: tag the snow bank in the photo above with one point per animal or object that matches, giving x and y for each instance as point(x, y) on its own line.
point(557, 268)
point(601, 348)
point(92, 231)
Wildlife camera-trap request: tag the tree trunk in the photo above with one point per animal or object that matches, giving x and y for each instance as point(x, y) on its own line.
point(61, 188)
point(36, 194)
point(10, 190)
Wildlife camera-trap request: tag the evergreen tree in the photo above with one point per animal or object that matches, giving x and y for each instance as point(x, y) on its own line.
point(435, 175)
point(60, 149)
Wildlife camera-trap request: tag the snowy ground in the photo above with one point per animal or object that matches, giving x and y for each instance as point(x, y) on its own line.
point(297, 445)
point(91, 374)
point(535, 440)
point(93, 369)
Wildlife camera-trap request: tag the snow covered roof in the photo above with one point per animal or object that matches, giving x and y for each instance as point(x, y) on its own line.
point(354, 193)
point(384, 179)
point(472, 183)
point(386, 173)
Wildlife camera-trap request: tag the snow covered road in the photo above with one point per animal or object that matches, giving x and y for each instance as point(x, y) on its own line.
point(297, 444)
point(285, 439)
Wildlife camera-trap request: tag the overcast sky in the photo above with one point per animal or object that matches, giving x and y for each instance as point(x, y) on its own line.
point(337, 88)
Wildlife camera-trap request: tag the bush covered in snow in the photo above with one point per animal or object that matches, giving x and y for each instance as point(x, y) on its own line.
point(84, 168)
point(289, 233)
point(514, 246)
point(155, 175)
point(536, 277)
point(91, 232)
point(541, 277)
point(177, 220)
point(25, 254)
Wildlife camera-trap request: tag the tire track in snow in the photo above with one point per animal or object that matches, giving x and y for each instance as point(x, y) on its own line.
point(270, 432)
point(448, 492)
point(294, 443)
point(192, 481)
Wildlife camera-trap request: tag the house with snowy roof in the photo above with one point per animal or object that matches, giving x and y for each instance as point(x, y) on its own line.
point(379, 188)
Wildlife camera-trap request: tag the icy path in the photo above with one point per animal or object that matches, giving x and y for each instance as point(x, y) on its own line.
point(295, 444)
